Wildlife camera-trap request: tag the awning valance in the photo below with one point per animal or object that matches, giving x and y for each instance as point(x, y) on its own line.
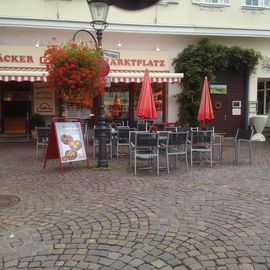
point(20, 74)
point(137, 76)
point(117, 76)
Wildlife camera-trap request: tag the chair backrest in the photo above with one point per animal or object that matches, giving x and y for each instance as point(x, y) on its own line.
point(178, 139)
point(160, 126)
point(141, 126)
point(123, 134)
point(170, 129)
point(146, 139)
point(183, 129)
point(201, 137)
point(42, 134)
point(244, 134)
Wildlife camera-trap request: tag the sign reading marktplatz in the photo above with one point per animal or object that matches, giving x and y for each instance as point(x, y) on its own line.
point(66, 141)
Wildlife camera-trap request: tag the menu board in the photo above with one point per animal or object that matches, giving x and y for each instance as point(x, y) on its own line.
point(70, 141)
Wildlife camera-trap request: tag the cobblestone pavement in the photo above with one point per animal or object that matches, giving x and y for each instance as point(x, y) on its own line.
point(206, 218)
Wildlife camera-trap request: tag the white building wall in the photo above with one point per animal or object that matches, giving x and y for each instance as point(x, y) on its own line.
point(172, 27)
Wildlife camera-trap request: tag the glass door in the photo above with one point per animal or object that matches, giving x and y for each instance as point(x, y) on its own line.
point(263, 99)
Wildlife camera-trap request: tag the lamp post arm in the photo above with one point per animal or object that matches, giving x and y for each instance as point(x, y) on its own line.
point(86, 31)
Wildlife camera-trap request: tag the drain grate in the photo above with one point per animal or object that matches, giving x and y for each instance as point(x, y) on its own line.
point(8, 201)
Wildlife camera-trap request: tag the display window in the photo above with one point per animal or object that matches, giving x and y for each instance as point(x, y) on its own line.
point(116, 102)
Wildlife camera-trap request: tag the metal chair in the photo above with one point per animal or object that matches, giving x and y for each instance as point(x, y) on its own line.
point(142, 126)
point(42, 138)
point(176, 145)
point(144, 146)
point(242, 139)
point(122, 138)
point(95, 140)
point(173, 129)
point(201, 142)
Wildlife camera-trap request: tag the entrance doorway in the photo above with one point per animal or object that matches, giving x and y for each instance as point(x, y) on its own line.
point(15, 105)
point(229, 106)
point(263, 98)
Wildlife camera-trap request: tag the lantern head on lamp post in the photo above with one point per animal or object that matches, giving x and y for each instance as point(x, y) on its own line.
point(99, 11)
point(133, 4)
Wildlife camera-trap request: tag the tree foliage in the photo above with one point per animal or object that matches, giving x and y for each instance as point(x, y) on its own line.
point(204, 59)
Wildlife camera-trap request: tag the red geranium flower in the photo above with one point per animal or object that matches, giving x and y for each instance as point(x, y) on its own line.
point(75, 71)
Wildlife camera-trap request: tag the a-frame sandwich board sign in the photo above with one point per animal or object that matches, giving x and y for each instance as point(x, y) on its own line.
point(66, 141)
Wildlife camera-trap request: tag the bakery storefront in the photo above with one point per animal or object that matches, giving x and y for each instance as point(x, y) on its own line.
point(23, 87)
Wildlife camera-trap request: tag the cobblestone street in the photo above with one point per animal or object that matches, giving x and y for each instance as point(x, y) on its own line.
point(206, 218)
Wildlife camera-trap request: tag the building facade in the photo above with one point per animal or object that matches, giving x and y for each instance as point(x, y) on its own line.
point(149, 38)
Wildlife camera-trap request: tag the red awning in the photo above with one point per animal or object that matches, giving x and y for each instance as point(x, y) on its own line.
point(34, 74)
point(20, 74)
point(125, 76)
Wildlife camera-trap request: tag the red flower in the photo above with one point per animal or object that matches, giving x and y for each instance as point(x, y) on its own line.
point(75, 72)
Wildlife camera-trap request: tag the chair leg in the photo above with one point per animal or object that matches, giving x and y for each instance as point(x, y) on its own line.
point(157, 160)
point(135, 165)
point(167, 163)
point(186, 161)
point(190, 158)
point(117, 151)
point(249, 148)
point(111, 153)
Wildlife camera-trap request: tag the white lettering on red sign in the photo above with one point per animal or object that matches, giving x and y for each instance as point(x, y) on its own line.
point(13, 58)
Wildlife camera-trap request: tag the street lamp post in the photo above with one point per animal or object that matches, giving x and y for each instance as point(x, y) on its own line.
point(99, 11)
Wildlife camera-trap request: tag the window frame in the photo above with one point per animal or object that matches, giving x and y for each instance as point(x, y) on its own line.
point(220, 3)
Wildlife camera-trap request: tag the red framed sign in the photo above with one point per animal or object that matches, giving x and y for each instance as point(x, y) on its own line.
point(66, 141)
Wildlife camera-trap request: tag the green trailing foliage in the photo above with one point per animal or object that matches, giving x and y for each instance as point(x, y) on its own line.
point(204, 59)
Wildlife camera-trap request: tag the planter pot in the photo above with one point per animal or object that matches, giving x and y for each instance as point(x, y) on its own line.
point(259, 122)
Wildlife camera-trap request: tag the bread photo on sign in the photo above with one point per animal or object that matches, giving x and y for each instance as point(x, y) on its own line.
point(66, 139)
point(71, 154)
point(75, 145)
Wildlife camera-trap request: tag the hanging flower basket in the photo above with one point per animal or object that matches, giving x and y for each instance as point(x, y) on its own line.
point(75, 71)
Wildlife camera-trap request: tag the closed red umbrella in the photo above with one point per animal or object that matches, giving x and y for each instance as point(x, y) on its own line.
point(146, 106)
point(205, 113)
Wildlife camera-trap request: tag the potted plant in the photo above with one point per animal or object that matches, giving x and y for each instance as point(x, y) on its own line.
point(75, 71)
point(36, 120)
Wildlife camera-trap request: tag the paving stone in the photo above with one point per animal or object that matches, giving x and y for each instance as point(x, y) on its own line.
point(207, 218)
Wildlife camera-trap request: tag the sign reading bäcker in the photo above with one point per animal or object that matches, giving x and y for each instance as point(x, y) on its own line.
point(44, 99)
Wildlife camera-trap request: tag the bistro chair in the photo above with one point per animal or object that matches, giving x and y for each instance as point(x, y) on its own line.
point(42, 138)
point(176, 145)
point(122, 138)
point(242, 139)
point(201, 143)
point(95, 140)
point(170, 129)
point(144, 146)
point(142, 126)
point(217, 143)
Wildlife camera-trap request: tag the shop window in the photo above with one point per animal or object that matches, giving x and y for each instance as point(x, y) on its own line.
point(157, 94)
point(75, 110)
point(116, 102)
point(260, 99)
point(267, 102)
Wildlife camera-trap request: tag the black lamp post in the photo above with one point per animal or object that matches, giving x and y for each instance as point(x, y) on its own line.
point(99, 11)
